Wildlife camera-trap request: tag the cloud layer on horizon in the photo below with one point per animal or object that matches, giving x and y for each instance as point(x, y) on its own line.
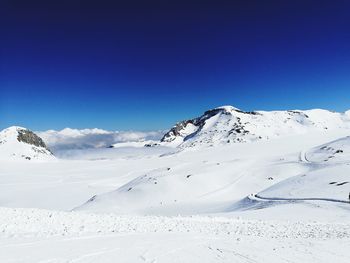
point(68, 139)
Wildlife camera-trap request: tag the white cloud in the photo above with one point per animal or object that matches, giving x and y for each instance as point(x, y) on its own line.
point(68, 139)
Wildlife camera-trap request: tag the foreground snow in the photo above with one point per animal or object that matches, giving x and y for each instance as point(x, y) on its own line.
point(33, 235)
point(172, 247)
point(45, 223)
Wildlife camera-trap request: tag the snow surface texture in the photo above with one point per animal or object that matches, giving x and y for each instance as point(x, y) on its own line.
point(281, 199)
point(18, 143)
point(227, 124)
point(52, 236)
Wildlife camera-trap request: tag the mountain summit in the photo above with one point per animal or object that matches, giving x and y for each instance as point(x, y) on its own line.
point(228, 124)
point(21, 143)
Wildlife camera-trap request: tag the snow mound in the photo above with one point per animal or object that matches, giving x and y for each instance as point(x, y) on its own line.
point(18, 143)
point(228, 124)
point(337, 151)
point(328, 184)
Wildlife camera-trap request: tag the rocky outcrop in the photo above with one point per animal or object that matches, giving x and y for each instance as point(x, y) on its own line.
point(177, 129)
point(30, 137)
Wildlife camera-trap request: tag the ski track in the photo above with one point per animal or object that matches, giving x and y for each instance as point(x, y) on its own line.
point(259, 197)
point(303, 157)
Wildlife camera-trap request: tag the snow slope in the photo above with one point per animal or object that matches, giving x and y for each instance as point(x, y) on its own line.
point(327, 180)
point(18, 143)
point(337, 151)
point(227, 124)
point(212, 179)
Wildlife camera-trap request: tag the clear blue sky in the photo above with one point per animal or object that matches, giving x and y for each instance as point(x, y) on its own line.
point(147, 64)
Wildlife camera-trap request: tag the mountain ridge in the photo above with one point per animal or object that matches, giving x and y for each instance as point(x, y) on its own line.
point(228, 124)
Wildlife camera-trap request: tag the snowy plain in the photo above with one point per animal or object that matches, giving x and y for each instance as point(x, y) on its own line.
point(285, 199)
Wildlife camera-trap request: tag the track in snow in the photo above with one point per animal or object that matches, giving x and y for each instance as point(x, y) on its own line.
point(258, 197)
point(303, 157)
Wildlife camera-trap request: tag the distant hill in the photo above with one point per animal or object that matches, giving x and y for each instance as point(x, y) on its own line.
point(18, 143)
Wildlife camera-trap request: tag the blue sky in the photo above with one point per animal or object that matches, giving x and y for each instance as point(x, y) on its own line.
point(145, 65)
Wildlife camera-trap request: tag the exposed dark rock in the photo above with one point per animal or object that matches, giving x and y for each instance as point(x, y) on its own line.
point(340, 184)
point(175, 131)
point(293, 112)
point(31, 138)
point(210, 113)
point(92, 198)
point(151, 144)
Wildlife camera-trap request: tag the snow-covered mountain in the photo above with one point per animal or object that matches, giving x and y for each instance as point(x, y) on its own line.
point(21, 143)
point(228, 124)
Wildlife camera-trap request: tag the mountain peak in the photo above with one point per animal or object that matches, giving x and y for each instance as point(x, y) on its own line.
point(227, 124)
point(227, 108)
point(13, 129)
point(20, 143)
